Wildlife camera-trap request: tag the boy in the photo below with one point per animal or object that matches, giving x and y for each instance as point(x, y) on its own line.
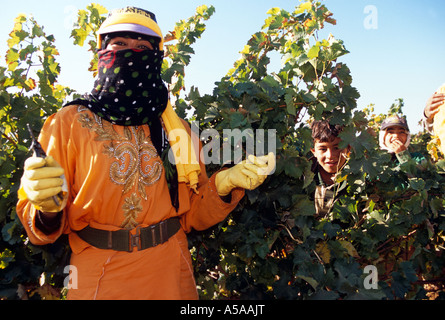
point(329, 160)
point(395, 138)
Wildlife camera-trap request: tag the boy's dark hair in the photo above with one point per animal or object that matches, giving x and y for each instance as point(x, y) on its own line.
point(324, 131)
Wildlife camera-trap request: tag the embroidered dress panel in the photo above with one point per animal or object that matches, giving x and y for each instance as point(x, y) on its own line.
point(136, 164)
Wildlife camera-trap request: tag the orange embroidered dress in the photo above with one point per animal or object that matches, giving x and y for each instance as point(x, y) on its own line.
point(116, 181)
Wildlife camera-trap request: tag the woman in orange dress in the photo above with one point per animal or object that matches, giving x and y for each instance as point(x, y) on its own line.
point(107, 181)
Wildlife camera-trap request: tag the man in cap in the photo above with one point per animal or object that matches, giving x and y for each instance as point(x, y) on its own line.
point(394, 134)
point(395, 138)
point(107, 181)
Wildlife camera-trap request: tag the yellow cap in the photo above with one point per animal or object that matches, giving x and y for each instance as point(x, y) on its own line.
point(131, 19)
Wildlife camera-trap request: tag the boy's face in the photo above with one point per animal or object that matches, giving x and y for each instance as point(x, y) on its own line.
point(395, 138)
point(329, 156)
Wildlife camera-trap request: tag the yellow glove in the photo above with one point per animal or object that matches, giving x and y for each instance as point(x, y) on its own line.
point(43, 184)
point(248, 174)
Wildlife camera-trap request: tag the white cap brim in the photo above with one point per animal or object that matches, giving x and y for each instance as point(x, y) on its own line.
point(129, 27)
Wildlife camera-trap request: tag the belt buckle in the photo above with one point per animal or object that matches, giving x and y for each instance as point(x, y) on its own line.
point(153, 235)
point(161, 230)
point(135, 239)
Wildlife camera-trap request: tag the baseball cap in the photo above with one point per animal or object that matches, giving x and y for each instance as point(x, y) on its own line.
point(131, 19)
point(392, 121)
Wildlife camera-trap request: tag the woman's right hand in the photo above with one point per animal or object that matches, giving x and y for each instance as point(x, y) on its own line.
point(42, 180)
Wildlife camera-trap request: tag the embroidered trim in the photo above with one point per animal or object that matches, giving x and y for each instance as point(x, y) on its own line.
point(132, 208)
point(136, 166)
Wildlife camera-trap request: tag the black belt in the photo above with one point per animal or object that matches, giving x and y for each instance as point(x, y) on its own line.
point(123, 240)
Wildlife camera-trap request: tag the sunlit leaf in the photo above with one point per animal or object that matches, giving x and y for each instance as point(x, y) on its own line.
point(313, 52)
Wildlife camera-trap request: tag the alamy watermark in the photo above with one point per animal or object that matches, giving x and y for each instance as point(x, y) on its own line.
point(372, 279)
point(226, 149)
point(71, 280)
point(371, 21)
point(369, 283)
point(70, 19)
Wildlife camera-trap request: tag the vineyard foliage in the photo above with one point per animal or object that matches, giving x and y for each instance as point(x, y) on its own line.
point(272, 246)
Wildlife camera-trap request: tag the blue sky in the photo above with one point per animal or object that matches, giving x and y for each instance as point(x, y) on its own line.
point(401, 56)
